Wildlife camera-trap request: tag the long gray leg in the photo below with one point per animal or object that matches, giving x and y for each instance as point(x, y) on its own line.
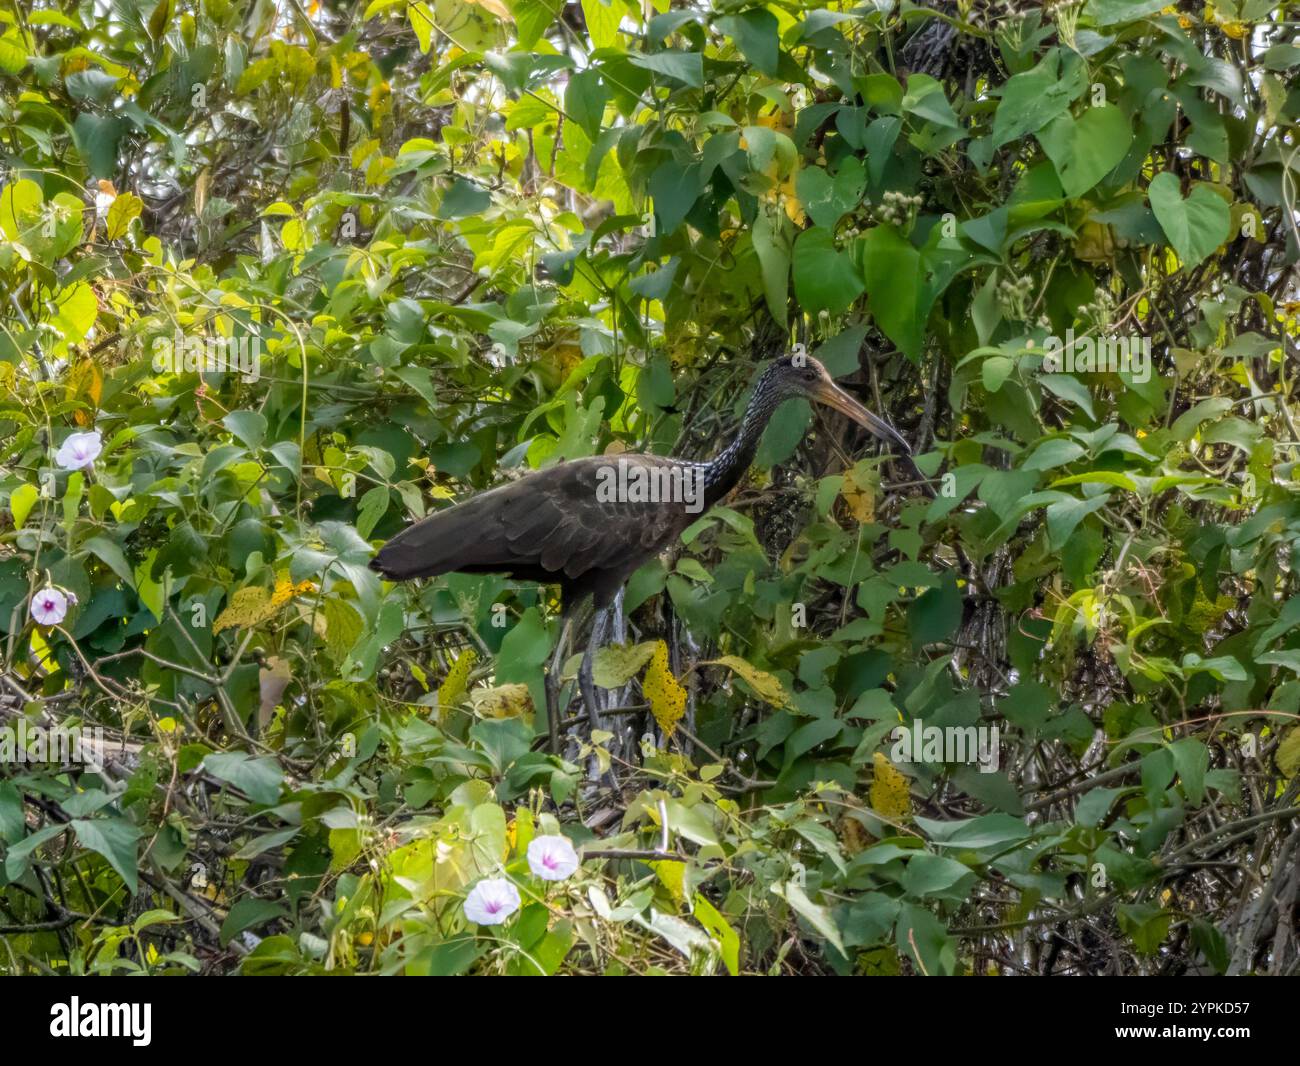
point(586, 683)
point(553, 709)
point(619, 724)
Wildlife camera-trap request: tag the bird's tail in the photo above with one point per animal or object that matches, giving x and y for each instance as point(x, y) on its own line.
point(405, 556)
point(464, 537)
point(439, 544)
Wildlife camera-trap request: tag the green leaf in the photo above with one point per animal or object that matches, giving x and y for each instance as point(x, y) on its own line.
point(247, 913)
point(97, 137)
point(1145, 924)
point(371, 508)
point(686, 67)
point(115, 839)
point(421, 18)
point(13, 820)
point(755, 34)
point(824, 277)
point(18, 855)
point(21, 502)
point(897, 294)
point(1191, 760)
point(923, 938)
point(1113, 12)
point(246, 426)
point(1086, 149)
point(258, 779)
point(584, 101)
point(935, 876)
point(112, 556)
point(774, 262)
point(936, 614)
point(1211, 943)
point(1196, 226)
point(602, 21)
point(13, 56)
point(926, 99)
point(463, 199)
point(1033, 99)
point(158, 916)
point(828, 199)
point(814, 914)
point(674, 189)
point(76, 311)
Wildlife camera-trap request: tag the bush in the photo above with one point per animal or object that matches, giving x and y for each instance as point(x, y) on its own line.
point(278, 279)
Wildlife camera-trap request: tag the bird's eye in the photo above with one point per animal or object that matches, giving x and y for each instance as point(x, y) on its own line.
point(809, 375)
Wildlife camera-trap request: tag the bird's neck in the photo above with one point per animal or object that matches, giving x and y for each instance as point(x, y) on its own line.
point(726, 468)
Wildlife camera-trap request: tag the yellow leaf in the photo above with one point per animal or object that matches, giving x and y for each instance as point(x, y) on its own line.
point(889, 790)
point(673, 877)
point(504, 701)
point(859, 496)
point(1288, 753)
point(41, 652)
point(342, 628)
point(452, 689)
point(121, 212)
point(285, 590)
point(85, 386)
point(790, 200)
point(767, 687)
point(615, 665)
point(495, 6)
point(272, 680)
point(666, 695)
point(247, 607)
point(202, 186)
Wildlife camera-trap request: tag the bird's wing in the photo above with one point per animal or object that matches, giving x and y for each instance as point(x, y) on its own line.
point(564, 520)
point(589, 517)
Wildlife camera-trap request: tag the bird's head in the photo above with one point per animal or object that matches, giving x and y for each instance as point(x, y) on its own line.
point(802, 375)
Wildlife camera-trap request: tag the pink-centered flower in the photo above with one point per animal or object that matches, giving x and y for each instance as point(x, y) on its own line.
point(49, 607)
point(491, 901)
point(79, 450)
point(552, 858)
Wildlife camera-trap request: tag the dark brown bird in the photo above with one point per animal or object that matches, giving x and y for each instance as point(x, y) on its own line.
point(559, 525)
point(583, 524)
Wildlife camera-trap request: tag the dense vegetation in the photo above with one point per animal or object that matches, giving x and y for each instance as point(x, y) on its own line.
point(470, 239)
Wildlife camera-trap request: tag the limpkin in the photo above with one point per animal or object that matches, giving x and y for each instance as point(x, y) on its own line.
point(559, 525)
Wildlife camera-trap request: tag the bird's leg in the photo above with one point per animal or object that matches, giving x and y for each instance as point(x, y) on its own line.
point(553, 708)
point(586, 683)
point(618, 635)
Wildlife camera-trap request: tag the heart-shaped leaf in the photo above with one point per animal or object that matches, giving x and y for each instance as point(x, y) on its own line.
point(824, 277)
point(1195, 226)
point(1085, 149)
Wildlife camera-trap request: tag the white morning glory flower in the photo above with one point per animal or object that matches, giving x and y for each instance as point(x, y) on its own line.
point(491, 901)
point(552, 858)
point(79, 450)
point(49, 607)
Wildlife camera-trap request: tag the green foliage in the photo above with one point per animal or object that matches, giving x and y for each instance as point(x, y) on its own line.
point(310, 271)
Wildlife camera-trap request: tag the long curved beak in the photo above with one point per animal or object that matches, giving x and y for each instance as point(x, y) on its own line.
point(833, 396)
